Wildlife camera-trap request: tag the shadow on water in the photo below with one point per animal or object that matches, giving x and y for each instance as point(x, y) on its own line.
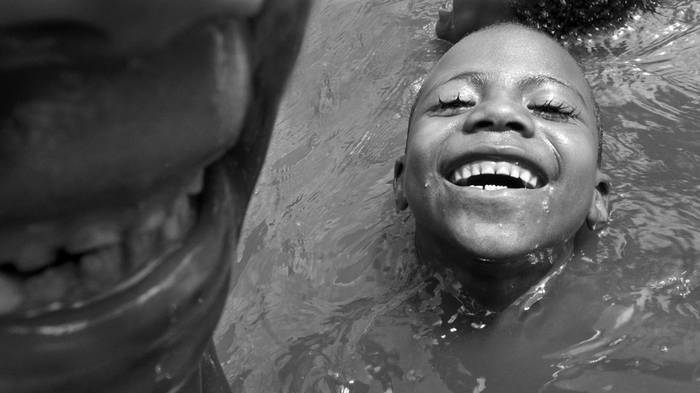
point(332, 298)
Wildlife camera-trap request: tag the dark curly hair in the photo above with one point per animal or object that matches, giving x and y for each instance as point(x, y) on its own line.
point(564, 17)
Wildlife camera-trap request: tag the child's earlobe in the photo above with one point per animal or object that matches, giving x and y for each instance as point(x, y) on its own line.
point(399, 196)
point(598, 211)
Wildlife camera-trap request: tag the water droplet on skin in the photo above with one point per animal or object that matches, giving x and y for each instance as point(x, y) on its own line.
point(426, 185)
point(478, 325)
point(452, 318)
point(545, 203)
point(481, 385)
point(663, 348)
point(533, 258)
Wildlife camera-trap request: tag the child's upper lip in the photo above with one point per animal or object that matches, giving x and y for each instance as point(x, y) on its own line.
point(537, 158)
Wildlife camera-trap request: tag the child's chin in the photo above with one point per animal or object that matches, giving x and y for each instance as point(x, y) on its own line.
point(497, 253)
point(490, 241)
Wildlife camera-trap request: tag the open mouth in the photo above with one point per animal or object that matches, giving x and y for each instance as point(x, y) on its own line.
point(491, 175)
point(66, 264)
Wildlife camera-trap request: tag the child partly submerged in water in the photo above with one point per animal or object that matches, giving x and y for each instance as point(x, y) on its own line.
point(502, 162)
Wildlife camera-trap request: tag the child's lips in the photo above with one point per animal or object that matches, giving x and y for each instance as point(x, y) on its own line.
point(499, 167)
point(495, 175)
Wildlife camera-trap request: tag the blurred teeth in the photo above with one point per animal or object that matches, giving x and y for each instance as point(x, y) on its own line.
point(50, 265)
point(197, 184)
point(179, 220)
point(102, 268)
point(95, 235)
point(33, 257)
point(10, 294)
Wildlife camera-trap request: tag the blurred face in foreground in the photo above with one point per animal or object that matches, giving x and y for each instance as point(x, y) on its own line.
point(501, 156)
point(131, 136)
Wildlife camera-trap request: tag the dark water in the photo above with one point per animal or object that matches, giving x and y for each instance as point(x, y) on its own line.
point(332, 299)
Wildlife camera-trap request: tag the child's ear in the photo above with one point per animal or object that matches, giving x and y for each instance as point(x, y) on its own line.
point(399, 195)
point(598, 212)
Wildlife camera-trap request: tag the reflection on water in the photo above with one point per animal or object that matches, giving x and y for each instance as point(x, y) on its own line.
point(332, 298)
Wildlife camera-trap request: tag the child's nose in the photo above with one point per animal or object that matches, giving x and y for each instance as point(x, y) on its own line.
point(499, 114)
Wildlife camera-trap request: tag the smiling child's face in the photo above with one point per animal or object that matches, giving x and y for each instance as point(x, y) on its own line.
point(502, 150)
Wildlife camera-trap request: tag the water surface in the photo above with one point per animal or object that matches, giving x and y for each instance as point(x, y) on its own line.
point(332, 298)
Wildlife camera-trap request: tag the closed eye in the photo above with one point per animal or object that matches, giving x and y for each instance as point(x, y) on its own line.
point(554, 110)
point(451, 107)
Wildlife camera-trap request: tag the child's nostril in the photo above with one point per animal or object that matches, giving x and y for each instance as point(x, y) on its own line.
point(515, 126)
point(483, 124)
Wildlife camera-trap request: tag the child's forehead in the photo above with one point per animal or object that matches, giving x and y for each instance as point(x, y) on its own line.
point(509, 52)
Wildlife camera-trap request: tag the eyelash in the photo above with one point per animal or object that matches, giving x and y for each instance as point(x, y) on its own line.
point(452, 105)
point(553, 110)
point(549, 110)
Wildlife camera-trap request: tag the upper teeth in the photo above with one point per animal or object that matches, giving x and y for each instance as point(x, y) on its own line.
point(495, 168)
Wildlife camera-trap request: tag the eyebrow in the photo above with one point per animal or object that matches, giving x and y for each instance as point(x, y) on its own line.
point(538, 80)
point(480, 78)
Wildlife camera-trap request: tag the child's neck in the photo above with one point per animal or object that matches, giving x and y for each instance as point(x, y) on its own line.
point(495, 284)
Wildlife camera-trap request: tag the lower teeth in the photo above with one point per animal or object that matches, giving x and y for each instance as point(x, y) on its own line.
point(50, 287)
point(488, 187)
point(102, 268)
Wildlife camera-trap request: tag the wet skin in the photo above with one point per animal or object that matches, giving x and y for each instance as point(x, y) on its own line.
point(504, 94)
point(111, 114)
